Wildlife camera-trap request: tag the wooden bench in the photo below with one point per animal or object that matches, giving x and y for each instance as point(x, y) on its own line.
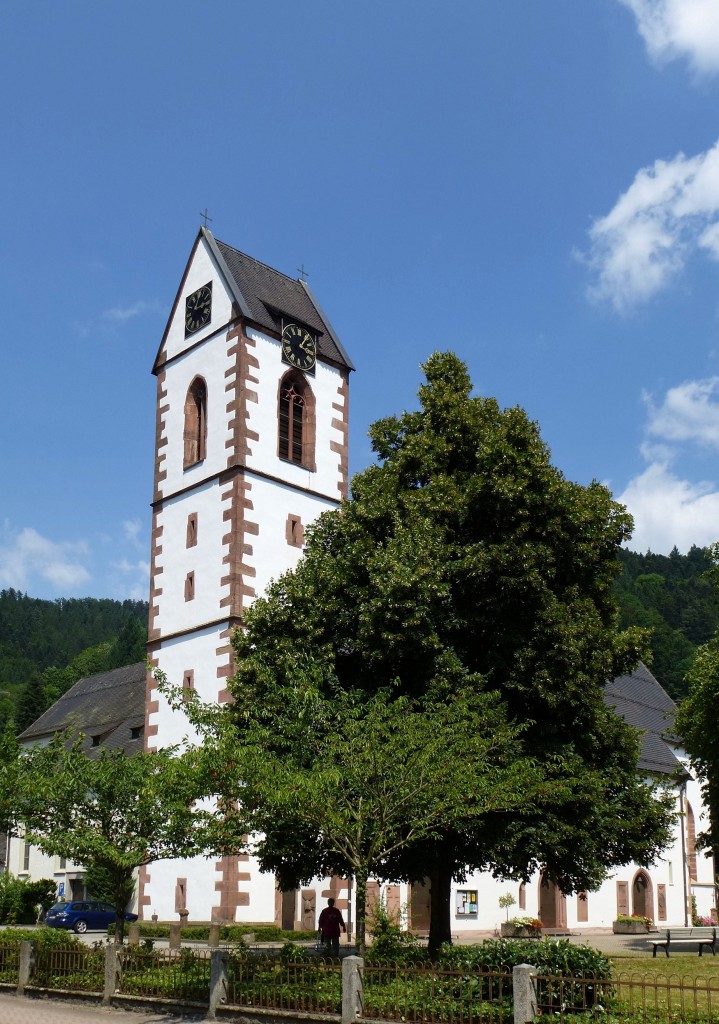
point(698, 936)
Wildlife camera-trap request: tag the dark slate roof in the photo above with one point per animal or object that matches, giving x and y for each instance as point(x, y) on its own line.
point(265, 296)
point(641, 702)
point(109, 705)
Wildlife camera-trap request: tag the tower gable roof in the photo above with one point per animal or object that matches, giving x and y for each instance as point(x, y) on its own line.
point(264, 296)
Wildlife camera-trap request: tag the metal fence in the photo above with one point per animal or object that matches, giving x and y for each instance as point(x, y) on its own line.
point(76, 969)
point(181, 975)
point(391, 992)
point(313, 986)
point(9, 964)
point(356, 991)
point(629, 999)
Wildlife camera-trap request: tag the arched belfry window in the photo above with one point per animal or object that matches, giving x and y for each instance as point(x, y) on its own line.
point(296, 420)
point(195, 435)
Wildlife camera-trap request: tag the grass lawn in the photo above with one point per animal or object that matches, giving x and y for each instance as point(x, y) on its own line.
point(681, 965)
point(680, 988)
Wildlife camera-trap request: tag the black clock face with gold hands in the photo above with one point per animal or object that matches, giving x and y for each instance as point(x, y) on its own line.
point(299, 347)
point(198, 309)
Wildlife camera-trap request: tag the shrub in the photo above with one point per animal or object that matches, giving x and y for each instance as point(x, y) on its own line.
point(43, 937)
point(389, 942)
point(549, 956)
point(19, 898)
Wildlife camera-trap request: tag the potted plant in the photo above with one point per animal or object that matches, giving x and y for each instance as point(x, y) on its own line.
point(521, 928)
point(631, 924)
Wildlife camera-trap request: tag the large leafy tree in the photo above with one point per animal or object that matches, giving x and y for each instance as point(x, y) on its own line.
point(112, 812)
point(696, 723)
point(464, 558)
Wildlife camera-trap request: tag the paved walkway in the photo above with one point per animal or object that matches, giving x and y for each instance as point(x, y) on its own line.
point(28, 1010)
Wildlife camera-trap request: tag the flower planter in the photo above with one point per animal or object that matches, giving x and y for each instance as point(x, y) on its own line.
point(513, 931)
point(629, 928)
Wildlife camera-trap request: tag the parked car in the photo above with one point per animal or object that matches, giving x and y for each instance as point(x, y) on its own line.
point(83, 915)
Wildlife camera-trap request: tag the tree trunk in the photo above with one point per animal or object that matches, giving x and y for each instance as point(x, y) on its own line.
point(440, 889)
point(361, 902)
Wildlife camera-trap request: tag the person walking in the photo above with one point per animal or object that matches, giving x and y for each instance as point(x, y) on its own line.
point(330, 922)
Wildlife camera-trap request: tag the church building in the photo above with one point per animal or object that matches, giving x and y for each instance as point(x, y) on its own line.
point(251, 446)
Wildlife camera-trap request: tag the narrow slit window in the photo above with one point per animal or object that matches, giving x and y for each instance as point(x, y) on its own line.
point(191, 530)
point(190, 586)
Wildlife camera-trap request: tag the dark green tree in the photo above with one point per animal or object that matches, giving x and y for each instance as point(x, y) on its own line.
point(696, 723)
point(465, 558)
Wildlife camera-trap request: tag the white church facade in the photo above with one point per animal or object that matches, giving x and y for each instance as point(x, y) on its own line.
point(251, 446)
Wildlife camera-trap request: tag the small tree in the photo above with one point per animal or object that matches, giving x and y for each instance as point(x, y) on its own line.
point(374, 775)
point(506, 900)
point(113, 812)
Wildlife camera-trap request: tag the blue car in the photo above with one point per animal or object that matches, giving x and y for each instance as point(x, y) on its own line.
point(83, 915)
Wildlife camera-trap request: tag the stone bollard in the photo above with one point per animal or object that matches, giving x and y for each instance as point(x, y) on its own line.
point(112, 967)
point(218, 981)
point(175, 935)
point(352, 989)
point(133, 933)
point(25, 967)
point(525, 995)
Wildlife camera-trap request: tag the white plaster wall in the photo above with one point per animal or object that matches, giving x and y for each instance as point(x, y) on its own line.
point(209, 361)
point(202, 270)
point(201, 875)
point(263, 420)
point(272, 503)
point(204, 559)
point(197, 652)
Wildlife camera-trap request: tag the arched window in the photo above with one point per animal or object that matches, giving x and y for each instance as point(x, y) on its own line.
point(195, 435)
point(296, 420)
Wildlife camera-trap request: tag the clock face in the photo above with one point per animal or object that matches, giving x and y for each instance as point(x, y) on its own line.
point(198, 309)
point(299, 347)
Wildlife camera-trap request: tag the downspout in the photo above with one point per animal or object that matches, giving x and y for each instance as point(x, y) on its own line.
point(682, 820)
point(349, 908)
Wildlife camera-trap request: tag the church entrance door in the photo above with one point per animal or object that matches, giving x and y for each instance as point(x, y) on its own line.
point(642, 896)
point(552, 905)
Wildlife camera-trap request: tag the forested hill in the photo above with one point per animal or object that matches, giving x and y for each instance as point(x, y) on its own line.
point(671, 595)
point(45, 646)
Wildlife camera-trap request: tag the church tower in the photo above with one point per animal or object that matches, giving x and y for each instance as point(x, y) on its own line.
point(251, 446)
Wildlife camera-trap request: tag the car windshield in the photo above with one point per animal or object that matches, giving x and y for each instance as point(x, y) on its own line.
point(58, 906)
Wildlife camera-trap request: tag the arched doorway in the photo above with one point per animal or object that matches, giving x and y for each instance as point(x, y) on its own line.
point(552, 904)
point(419, 907)
point(642, 896)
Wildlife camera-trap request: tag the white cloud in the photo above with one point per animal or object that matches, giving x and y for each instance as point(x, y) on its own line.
point(679, 28)
point(669, 212)
point(119, 314)
point(27, 556)
point(689, 412)
point(132, 528)
point(669, 511)
point(135, 579)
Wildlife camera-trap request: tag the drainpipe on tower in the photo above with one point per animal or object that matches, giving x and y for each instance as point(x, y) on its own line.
point(682, 820)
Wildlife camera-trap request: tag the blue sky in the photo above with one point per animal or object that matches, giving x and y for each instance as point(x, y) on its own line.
point(534, 185)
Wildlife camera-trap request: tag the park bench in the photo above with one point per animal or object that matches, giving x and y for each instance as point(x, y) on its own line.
point(697, 936)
